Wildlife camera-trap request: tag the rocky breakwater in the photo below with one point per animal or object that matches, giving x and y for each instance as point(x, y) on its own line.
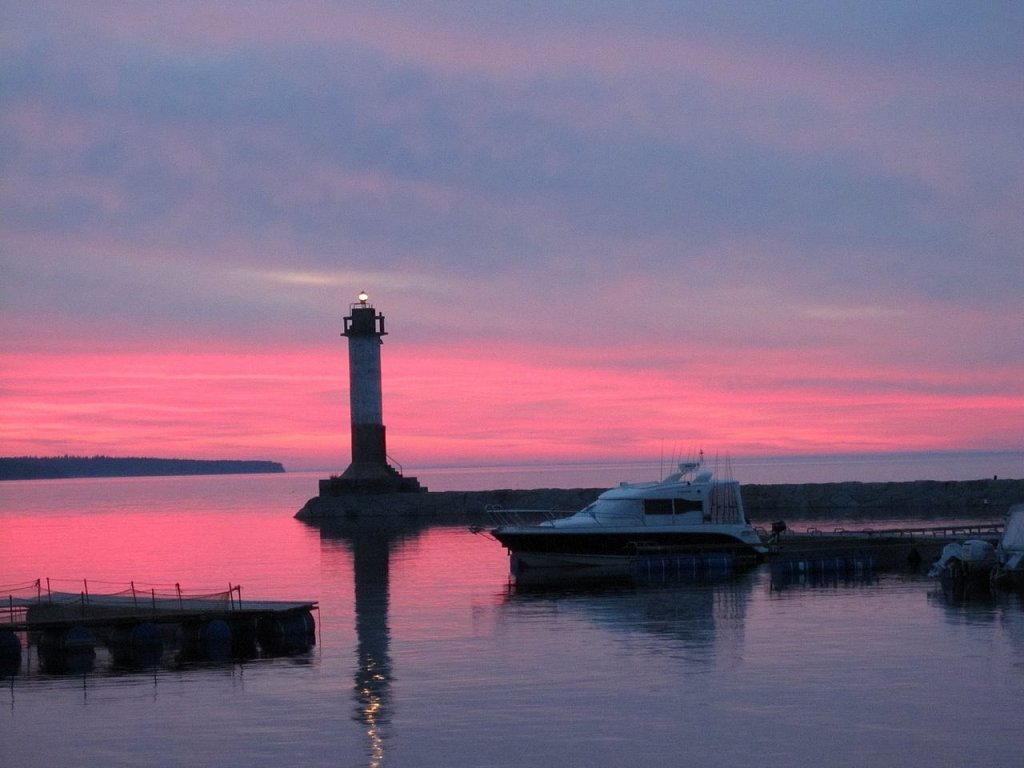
point(446, 507)
point(918, 500)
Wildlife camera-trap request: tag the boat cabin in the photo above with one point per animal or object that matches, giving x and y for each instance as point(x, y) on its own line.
point(663, 504)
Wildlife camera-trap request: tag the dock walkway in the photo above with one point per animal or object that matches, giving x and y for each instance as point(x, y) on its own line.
point(213, 625)
point(888, 547)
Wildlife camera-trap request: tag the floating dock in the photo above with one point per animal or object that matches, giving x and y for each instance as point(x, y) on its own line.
point(884, 548)
point(139, 625)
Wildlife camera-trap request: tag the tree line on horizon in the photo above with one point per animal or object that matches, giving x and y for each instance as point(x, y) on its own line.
point(57, 467)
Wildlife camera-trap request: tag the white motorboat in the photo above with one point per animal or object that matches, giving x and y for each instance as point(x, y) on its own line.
point(965, 564)
point(1008, 570)
point(689, 516)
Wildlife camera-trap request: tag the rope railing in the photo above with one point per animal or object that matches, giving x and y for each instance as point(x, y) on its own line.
point(66, 592)
point(939, 531)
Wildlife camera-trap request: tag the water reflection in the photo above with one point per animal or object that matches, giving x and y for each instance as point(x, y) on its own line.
point(974, 603)
point(371, 543)
point(701, 623)
point(787, 575)
point(1002, 611)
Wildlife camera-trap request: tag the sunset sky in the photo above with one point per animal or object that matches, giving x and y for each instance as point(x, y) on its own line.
point(598, 230)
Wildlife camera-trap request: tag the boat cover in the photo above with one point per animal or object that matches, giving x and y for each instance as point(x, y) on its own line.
point(1013, 531)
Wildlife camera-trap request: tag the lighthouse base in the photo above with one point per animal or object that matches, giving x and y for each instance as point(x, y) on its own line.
point(369, 477)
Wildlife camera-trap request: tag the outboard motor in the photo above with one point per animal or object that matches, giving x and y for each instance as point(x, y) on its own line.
point(778, 528)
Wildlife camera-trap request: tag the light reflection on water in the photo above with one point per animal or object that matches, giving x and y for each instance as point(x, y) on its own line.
point(427, 657)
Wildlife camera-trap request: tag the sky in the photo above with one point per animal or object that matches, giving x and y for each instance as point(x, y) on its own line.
point(598, 230)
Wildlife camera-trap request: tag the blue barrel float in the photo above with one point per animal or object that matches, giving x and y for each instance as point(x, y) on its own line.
point(137, 645)
point(285, 633)
point(824, 568)
point(10, 653)
point(243, 637)
point(210, 640)
point(659, 569)
point(74, 639)
point(67, 651)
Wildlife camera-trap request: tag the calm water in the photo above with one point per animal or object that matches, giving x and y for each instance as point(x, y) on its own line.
point(425, 657)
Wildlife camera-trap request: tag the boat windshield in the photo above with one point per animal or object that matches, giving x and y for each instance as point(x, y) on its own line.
point(616, 509)
point(605, 510)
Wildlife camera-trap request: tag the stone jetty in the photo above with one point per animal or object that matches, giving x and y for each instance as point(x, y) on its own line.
point(922, 500)
point(444, 507)
point(918, 500)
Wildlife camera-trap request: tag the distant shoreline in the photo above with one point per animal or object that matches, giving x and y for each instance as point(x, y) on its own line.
point(65, 467)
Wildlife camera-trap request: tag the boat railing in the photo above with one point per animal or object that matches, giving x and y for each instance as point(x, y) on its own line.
point(503, 516)
point(937, 531)
point(132, 598)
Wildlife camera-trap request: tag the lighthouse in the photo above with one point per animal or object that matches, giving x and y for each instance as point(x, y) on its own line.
point(369, 471)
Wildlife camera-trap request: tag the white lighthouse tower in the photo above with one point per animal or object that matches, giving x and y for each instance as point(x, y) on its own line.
point(369, 471)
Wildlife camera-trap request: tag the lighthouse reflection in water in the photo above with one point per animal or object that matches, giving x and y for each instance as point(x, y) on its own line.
point(370, 544)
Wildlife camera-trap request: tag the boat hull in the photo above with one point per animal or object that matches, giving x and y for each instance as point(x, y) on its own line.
point(556, 555)
point(537, 540)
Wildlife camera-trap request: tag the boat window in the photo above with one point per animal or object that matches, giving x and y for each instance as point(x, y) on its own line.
point(668, 506)
point(689, 505)
point(658, 506)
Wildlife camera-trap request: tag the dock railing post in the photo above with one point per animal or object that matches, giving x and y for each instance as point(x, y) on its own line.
point(177, 586)
point(135, 601)
point(85, 596)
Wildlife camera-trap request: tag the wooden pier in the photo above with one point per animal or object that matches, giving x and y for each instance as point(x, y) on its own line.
point(139, 625)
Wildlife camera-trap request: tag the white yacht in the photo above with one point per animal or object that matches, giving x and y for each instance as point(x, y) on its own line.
point(688, 516)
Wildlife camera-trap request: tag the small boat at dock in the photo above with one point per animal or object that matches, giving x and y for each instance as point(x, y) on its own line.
point(1008, 570)
point(690, 515)
point(964, 565)
point(986, 562)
